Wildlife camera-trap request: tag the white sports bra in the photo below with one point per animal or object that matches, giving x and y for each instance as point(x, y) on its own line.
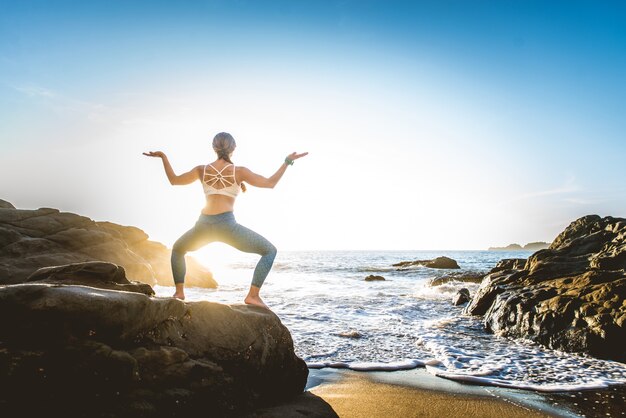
point(226, 182)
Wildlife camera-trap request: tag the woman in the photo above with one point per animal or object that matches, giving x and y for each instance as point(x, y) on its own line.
point(221, 181)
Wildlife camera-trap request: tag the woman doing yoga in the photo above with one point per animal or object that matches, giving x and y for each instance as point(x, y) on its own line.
point(221, 181)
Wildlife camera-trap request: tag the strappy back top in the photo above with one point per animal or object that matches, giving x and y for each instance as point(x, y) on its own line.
point(218, 183)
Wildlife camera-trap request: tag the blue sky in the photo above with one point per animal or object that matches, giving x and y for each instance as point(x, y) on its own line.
point(457, 124)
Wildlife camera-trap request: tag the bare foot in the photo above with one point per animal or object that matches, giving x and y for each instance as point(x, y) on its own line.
point(179, 295)
point(255, 300)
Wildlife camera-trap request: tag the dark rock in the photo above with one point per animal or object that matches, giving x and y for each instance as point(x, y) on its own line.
point(373, 278)
point(569, 296)
point(30, 239)
point(93, 352)
point(350, 334)
point(509, 264)
point(462, 296)
point(467, 277)
point(93, 273)
point(437, 263)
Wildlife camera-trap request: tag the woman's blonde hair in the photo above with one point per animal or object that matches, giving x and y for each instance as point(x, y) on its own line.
point(224, 145)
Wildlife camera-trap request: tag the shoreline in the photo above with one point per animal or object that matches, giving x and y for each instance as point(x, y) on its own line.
point(416, 393)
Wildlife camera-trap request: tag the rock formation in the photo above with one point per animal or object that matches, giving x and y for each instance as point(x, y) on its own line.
point(76, 350)
point(462, 296)
point(374, 278)
point(30, 239)
point(569, 296)
point(467, 277)
point(437, 263)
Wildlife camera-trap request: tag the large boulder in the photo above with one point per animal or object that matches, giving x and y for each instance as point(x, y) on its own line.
point(81, 351)
point(569, 296)
point(31, 239)
point(437, 263)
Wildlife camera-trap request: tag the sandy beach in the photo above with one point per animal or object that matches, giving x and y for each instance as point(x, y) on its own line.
point(416, 393)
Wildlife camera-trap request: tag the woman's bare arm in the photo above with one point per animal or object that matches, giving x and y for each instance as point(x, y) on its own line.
point(257, 180)
point(175, 180)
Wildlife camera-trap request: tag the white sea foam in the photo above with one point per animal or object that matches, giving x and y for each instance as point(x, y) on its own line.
point(339, 320)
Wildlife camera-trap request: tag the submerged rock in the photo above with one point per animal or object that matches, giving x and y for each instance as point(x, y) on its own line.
point(31, 239)
point(373, 278)
point(437, 263)
point(467, 277)
point(569, 296)
point(83, 351)
point(462, 296)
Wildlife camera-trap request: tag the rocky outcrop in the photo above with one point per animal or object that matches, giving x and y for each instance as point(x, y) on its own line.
point(82, 351)
point(93, 273)
point(31, 239)
point(462, 296)
point(467, 277)
point(374, 278)
point(437, 263)
point(569, 296)
point(509, 264)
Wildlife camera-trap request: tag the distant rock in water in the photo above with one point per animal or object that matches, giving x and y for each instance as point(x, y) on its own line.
point(468, 277)
point(531, 246)
point(31, 239)
point(510, 247)
point(568, 297)
point(94, 352)
point(462, 296)
point(437, 263)
point(373, 278)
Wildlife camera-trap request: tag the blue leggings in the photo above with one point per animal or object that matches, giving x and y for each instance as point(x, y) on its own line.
point(223, 228)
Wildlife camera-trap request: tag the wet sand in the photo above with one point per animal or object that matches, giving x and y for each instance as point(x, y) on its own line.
point(411, 393)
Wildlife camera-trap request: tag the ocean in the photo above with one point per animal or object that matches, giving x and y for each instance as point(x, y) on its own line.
point(337, 319)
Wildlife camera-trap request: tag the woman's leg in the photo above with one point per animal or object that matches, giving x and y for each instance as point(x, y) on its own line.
point(246, 240)
point(198, 236)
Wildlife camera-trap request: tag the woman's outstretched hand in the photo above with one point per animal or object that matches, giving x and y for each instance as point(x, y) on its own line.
point(294, 155)
point(158, 154)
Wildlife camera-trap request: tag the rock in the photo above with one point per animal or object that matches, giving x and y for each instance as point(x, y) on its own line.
point(467, 277)
point(31, 239)
point(437, 263)
point(6, 205)
point(350, 334)
point(462, 296)
point(509, 264)
point(373, 278)
point(568, 297)
point(92, 273)
point(94, 352)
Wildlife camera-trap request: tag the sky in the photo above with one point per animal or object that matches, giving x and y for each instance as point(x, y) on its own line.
point(434, 125)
